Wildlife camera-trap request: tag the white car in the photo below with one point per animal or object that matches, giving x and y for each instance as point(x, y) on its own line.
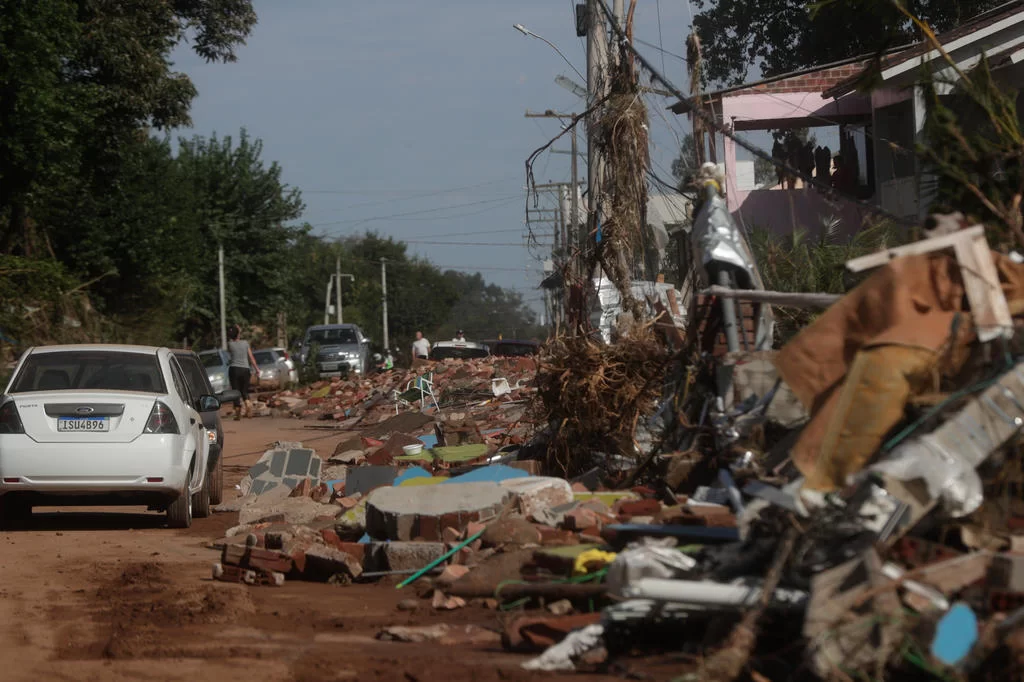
point(103, 424)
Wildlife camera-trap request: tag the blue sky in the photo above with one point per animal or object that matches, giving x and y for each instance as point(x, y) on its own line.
point(407, 117)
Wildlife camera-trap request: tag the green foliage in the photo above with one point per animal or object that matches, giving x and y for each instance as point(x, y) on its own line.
point(89, 194)
point(801, 264)
point(308, 372)
point(797, 34)
point(82, 81)
point(974, 146)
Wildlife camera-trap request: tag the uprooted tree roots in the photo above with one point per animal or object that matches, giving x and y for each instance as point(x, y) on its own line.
point(593, 394)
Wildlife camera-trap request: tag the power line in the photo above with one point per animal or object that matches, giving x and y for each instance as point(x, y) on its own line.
point(412, 241)
point(360, 221)
point(662, 50)
point(411, 193)
point(661, 42)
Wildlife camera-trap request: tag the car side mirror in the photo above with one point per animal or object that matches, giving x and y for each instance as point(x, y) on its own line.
point(228, 396)
point(208, 403)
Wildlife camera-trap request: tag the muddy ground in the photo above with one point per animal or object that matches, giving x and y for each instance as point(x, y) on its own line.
point(111, 594)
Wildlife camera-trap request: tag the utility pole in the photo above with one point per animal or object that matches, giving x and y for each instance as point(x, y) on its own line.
point(574, 235)
point(384, 297)
point(327, 300)
point(223, 312)
point(337, 273)
point(597, 85)
point(342, 275)
point(574, 212)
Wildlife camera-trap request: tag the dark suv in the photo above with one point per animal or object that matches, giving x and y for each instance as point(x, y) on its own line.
point(198, 379)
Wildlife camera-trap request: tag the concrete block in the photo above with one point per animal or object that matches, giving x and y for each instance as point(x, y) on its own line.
point(323, 562)
point(423, 512)
point(402, 556)
point(534, 494)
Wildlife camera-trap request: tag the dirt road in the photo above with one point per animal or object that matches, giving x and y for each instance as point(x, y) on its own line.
point(111, 594)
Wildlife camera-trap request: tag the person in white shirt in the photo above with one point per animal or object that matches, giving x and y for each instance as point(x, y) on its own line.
point(460, 336)
point(420, 347)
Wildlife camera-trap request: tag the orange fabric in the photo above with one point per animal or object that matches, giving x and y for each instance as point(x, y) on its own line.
point(861, 412)
point(910, 302)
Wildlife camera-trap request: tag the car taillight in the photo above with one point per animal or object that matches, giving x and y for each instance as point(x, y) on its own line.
point(161, 420)
point(10, 420)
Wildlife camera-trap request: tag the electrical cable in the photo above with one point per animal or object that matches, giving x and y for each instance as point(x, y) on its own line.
point(399, 216)
point(663, 51)
point(661, 42)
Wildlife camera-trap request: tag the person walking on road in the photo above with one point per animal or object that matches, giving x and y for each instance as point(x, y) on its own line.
point(243, 366)
point(420, 347)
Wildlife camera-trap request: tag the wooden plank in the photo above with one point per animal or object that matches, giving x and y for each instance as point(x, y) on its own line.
point(880, 258)
point(783, 298)
point(981, 282)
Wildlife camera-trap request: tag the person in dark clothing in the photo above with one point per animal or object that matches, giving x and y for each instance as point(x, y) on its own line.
point(243, 365)
point(779, 154)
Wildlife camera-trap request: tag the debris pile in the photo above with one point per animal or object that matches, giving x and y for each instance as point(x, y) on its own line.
point(480, 385)
point(852, 500)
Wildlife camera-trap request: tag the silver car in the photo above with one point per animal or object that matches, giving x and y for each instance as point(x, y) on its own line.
point(343, 348)
point(274, 369)
point(216, 363)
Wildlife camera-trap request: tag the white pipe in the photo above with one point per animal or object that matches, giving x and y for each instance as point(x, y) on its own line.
point(707, 593)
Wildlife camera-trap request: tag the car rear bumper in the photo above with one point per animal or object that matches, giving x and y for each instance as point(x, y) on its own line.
point(150, 465)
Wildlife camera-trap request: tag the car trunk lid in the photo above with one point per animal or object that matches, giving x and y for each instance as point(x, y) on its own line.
point(84, 417)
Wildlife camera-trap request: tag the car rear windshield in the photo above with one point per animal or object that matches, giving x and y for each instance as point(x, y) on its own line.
point(330, 337)
point(264, 357)
point(90, 371)
point(212, 359)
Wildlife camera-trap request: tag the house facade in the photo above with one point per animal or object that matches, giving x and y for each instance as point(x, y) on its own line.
point(877, 130)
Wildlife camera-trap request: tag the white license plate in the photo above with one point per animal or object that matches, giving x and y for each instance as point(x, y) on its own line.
point(83, 424)
point(330, 366)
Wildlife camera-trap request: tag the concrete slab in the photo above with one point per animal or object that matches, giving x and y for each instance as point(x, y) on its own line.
point(423, 512)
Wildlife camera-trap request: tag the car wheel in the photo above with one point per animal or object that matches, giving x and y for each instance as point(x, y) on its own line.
point(179, 512)
point(217, 480)
point(201, 500)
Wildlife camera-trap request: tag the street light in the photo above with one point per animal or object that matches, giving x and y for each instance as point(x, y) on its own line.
point(527, 32)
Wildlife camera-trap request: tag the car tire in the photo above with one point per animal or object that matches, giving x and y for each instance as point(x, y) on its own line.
point(217, 480)
point(179, 512)
point(201, 500)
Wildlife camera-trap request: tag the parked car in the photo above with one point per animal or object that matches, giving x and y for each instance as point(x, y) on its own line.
point(513, 348)
point(293, 370)
point(273, 370)
point(458, 349)
point(343, 348)
point(216, 363)
point(199, 382)
point(103, 424)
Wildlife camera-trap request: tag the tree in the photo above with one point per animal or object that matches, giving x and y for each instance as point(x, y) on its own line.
point(685, 165)
point(39, 117)
point(797, 34)
point(82, 80)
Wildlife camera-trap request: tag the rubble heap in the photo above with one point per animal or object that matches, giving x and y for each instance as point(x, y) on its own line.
point(852, 500)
